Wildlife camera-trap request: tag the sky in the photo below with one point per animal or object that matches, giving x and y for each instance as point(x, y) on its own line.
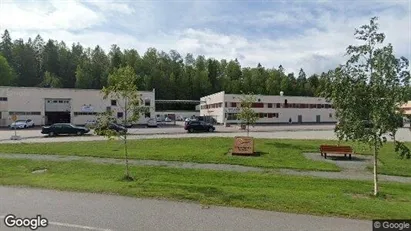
point(312, 35)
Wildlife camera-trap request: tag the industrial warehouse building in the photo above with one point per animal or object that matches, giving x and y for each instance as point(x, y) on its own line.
point(59, 105)
point(272, 109)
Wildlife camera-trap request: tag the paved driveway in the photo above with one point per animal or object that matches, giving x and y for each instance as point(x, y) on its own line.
point(81, 211)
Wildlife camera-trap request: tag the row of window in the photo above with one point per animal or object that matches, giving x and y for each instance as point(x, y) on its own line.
point(85, 113)
point(3, 98)
point(119, 114)
point(58, 101)
point(269, 105)
point(233, 116)
point(114, 102)
point(24, 113)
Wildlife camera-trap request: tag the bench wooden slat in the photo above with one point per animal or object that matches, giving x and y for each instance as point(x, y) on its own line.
point(334, 149)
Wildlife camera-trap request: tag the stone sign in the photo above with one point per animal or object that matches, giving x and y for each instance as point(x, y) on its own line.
point(243, 146)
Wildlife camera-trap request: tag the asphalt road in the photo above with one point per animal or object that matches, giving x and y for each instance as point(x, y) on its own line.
point(404, 134)
point(82, 211)
point(178, 129)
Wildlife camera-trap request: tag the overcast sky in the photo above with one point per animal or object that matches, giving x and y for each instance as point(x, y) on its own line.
point(308, 34)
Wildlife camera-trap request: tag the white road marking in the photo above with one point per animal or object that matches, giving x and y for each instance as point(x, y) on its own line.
point(72, 225)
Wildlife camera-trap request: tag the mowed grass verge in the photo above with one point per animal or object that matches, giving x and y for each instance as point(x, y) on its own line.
point(275, 153)
point(266, 191)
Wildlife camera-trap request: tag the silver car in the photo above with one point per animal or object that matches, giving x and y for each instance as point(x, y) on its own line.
point(20, 124)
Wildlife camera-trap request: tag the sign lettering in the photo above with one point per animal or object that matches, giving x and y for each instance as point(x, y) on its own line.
point(243, 146)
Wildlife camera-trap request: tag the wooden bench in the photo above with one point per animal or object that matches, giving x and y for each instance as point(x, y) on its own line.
point(334, 149)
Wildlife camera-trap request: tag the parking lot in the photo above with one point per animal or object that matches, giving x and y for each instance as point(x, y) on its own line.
point(173, 131)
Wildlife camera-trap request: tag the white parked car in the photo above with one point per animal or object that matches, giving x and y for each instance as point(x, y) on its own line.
point(151, 123)
point(167, 119)
point(20, 124)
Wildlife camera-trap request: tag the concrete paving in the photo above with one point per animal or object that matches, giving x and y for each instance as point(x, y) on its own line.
point(83, 211)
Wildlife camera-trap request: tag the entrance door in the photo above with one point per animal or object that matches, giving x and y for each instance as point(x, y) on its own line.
point(318, 118)
point(57, 117)
point(300, 118)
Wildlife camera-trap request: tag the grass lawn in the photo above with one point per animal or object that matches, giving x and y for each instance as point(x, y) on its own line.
point(392, 164)
point(276, 153)
point(253, 190)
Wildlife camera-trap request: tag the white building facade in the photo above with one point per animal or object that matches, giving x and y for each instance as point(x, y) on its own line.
point(59, 105)
point(271, 109)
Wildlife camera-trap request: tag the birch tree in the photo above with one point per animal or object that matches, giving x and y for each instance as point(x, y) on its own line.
point(367, 92)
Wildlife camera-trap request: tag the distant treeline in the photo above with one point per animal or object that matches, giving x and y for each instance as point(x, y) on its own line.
point(54, 64)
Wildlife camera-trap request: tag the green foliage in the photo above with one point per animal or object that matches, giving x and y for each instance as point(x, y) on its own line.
point(367, 92)
point(247, 115)
point(51, 80)
point(6, 73)
point(122, 87)
point(173, 76)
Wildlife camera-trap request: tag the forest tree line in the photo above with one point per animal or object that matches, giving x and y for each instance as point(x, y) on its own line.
point(39, 63)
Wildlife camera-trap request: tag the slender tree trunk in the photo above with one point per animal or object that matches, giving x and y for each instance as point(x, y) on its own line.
point(393, 137)
point(125, 138)
point(375, 169)
point(126, 154)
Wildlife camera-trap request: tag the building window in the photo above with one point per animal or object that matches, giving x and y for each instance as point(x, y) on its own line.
point(225, 104)
point(278, 105)
point(119, 114)
point(275, 115)
point(233, 104)
point(108, 109)
point(147, 115)
point(270, 105)
point(257, 105)
point(147, 103)
point(330, 115)
point(85, 113)
point(231, 116)
point(270, 115)
point(3, 98)
point(113, 102)
point(24, 113)
point(285, 103)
